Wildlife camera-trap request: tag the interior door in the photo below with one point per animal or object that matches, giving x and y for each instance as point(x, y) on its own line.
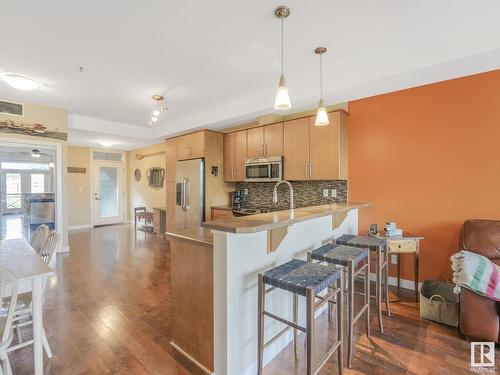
point(109, 192)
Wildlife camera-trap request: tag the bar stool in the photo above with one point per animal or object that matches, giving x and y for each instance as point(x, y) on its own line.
point(356, 260)
point(377, 246)
point(308, 280)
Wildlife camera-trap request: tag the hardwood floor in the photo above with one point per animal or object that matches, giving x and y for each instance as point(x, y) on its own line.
point(108, 309)
point(108, 312)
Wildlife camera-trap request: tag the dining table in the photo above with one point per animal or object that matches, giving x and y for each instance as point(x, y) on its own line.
point(31, 273)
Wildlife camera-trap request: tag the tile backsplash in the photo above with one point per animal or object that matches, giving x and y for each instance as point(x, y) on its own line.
point(305, 193)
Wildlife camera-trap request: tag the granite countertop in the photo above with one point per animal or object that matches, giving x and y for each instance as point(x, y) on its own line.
point(225, 207)
point(277, 219)
point(198, 235)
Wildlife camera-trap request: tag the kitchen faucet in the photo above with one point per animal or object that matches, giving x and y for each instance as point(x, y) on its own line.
point(275, 192)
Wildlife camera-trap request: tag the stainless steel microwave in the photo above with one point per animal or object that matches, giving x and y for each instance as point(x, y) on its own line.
point(264, 170)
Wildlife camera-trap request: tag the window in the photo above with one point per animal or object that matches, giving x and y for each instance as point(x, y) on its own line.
point(37, 183)
point(13, 190)
point(113, 156)
point(25, 166)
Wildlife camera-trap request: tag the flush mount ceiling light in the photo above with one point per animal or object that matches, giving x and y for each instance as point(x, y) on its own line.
point(20, 82)
point(35, 153)
point(321, 114)
point(282, 101)
point(160, 107)
point(105, 143)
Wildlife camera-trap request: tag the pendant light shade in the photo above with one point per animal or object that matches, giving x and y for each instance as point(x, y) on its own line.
point(321, 114)
point(282, 101)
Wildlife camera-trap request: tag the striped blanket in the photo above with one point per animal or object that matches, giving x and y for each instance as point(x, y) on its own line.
point(477, 273)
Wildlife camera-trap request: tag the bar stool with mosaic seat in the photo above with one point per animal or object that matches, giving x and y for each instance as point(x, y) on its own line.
point(376, 245)
point(356, 260)
point(305, 279)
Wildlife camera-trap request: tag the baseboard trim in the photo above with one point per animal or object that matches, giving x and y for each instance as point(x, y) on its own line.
point(76, 227)
point(404, 283)
point(191, 359)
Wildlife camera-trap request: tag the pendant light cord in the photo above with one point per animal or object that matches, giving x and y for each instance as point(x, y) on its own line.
point(282, 45)
point(321, 75)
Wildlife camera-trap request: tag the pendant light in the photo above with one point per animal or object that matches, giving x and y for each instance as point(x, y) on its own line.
point(321, 114)
point(282, 101)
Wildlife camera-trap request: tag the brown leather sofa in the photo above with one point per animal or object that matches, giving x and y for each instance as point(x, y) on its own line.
point(480, 316)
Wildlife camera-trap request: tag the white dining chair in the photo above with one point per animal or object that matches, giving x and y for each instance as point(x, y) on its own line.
point(39, 237)
point(23, 309)
point(8, 296)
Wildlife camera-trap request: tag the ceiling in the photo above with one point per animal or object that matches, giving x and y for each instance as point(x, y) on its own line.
point(217, 62)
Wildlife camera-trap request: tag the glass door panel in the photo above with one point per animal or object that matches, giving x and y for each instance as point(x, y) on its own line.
point(108, 178)
point(108, 192)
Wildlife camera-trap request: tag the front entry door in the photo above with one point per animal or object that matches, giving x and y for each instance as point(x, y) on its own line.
point(109, 193)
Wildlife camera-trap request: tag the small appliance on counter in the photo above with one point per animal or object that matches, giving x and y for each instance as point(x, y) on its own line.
point(237, 199)
point(391, 230)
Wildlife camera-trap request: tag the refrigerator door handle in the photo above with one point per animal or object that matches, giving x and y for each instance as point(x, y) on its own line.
point(186, 198)
point(183, 194)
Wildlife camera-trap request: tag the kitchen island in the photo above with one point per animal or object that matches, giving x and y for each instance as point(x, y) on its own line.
point(231, 257)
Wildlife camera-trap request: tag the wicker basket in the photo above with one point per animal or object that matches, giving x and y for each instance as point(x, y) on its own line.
point(439, 303)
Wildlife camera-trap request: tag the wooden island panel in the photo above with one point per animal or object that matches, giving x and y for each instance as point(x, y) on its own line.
point(192, 298)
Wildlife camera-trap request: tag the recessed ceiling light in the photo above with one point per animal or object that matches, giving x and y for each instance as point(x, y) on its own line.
point(105, 143)
point(20, 82)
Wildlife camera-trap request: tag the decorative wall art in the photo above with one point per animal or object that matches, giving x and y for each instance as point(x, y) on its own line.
point(155, 177)
point(137, 174)
point(37, 130)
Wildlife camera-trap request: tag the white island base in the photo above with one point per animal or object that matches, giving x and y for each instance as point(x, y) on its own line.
point(237, 260)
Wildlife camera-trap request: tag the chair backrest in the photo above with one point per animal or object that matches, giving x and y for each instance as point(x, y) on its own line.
point(8, 288)
point(49, 249)
point(139, 209)
point(39, 237)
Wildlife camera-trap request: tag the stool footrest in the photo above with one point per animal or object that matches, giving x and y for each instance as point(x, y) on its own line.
point(327, 356)
point(283, 331)
point(360, 312)
point(284, 321)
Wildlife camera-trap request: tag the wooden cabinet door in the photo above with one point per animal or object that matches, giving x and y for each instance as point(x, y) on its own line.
point(170, 188)
point(273, 140)
point(228, 153)
point(171, 156)
point(255, 143)
point(197, 145)
point(324, 149)
point(240, 155)
point(183, 147)
point(296, 149)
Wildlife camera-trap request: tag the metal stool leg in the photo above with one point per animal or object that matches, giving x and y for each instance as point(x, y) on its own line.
point(260, 324)
point(350, 310)
point(340, 324)
point(378, 290)
point(367, 296)
point(310, 331)
point(295, 320)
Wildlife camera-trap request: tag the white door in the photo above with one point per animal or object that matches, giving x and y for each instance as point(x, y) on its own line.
point(109, 192)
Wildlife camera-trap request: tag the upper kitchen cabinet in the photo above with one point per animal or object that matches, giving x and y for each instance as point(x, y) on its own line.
point(316, 152)
point(171, 156)
point(265, 141)
point(328, 148)
point(273, 140)
point(296, 149)
point(255, 142)
point(235, 155)
point(191, 146)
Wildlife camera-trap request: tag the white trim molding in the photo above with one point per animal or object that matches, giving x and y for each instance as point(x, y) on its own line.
point(82, 226)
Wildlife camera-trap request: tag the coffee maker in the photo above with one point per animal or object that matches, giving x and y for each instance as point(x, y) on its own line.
point(237, 199)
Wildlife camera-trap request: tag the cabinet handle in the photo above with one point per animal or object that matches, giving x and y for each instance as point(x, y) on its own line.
point(310, 170)
point(265, 149)
point(307, 170)
point(235, 173)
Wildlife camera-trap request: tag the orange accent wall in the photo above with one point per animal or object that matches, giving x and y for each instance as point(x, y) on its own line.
point(429, 159)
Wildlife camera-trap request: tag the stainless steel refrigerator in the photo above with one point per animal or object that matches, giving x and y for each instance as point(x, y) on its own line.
point(189, 193)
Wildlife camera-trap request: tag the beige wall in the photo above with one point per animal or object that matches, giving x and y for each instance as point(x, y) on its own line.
point(55, 119)
point(139, 193)
point(78, 187)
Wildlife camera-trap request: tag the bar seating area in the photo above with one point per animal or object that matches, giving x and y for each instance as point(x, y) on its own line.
point(323, 278)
